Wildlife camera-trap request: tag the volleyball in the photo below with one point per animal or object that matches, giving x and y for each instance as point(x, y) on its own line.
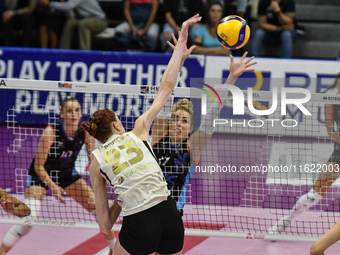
point(233, 32)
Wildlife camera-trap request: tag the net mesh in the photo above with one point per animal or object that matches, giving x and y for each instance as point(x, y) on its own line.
point(251, 171)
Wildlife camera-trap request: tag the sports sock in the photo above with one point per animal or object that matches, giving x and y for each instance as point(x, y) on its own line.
point(304, 203)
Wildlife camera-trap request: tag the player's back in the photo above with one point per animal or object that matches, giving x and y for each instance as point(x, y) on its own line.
point(130, 167)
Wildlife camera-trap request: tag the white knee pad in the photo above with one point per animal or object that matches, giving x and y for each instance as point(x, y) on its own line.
point(15, 233)
point(18, 231)
point(305, 202)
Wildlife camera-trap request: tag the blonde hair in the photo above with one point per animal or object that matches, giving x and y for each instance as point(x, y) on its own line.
point(185, 105)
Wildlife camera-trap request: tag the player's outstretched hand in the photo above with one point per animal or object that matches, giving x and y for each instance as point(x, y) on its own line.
point(183, 36)
point(7, 204)
point(12, 205)
point(186, 51)
point(58, 194)
point(185, 26)
point(236, 69)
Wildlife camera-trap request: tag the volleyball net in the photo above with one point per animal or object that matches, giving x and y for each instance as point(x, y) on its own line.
point(266, 151)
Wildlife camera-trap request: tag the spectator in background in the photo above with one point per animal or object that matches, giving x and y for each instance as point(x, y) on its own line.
point(86, 15)
point(205, 40)
point(21, 12)
point(241, 5)
point(176, 12)
point(139, 26)
point(277, 25)
point(51, 26)
point(3, 7)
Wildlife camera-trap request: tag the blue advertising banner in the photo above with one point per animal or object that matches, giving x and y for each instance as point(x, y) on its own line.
point(69, 66)
point(93, 66)
point(42, 107)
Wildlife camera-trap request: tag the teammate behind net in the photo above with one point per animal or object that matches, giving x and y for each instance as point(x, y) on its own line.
point(126, 161)
point(171, 131)
point(53, 167)
point(328, 176)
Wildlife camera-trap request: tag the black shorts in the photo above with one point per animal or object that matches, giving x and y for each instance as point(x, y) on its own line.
point(335, 157)
point(158, 229)
point(63, 181)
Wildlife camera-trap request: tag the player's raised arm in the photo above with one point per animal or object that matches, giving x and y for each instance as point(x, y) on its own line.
point(161, 123)
point(238, 68)
point(168, 82)
point(202, 136)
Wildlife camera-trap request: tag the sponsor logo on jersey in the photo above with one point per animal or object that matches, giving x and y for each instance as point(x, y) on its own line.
point(120, 180)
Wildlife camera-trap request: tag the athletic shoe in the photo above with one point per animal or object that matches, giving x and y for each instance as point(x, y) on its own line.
point(280, 226)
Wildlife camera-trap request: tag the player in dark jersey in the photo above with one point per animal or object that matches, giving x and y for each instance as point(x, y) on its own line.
point(328, 175)
point(53, 167)
point(172, 149)
point(59, 165)
point(170, 136)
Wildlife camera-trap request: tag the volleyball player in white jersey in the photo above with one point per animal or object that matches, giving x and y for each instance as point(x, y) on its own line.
point(126, 161)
